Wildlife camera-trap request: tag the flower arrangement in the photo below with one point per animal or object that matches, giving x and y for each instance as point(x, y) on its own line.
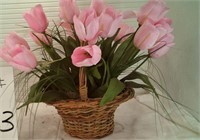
point(84, 53)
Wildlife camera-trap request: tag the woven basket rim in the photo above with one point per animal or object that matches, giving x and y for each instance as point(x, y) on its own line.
point(125, 95)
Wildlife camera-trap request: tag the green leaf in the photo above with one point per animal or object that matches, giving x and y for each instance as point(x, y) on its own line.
point(99, 92)
point(51, 96)
point(60, 80)
point(40, 92)
point(33, 91)
point(68, 45)
point(136, 75)
point(115, 87)
point(136, 85)
point(139, 58)
point(126, 65)
point(95, 72)
point(106, 46)
point(121, 48)
point(92, 82)
point(108, 74)
point(115, 45)
point(49, 48)
point(66, 65)
point(121, 52)
point(32, 96)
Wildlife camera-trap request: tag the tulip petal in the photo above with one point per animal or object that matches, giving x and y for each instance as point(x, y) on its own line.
point(105, 24)
point(96, 54)
point(89, 17)
point(129, 14)
point(98, 5)
point(68, 9)
point(4, 54)
point(146, 36)
point(79, 28)
point(159, 52)
point(115, 26)
point(38, 38)
point(36, 19)
point(86, 56)
point(33, 23)
point(13, 39)
point(19, 67)
point(92, 29)
point(153, 10)
point(30, 60)
point(18, 55)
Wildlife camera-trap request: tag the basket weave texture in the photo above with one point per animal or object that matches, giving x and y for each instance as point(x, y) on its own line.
point(86, 119)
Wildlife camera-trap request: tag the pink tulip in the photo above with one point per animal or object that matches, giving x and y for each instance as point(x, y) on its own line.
point(68, 28)
point(162, 46)
point(12, 39)
point(36, 19)
point(165, 39)
point(68, 9)
point(129, 14)
point(109, 22)
point(153, 10)
point(164, 26)
point(124, 30)
point(146, 36)
point(87, 26)
point(98, 5)
point(40, 37)
point(86, 56)
point(16, 53)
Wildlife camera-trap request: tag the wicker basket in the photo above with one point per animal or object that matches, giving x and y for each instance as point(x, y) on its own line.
point(86, 119)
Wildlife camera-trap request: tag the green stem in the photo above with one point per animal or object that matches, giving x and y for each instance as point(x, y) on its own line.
point(35, 74)
point(104, 76)
point(123, 79)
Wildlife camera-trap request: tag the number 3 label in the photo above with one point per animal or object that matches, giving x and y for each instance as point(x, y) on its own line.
point(7, 121)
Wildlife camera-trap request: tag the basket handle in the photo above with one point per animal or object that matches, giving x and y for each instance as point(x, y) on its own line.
point(83, 91)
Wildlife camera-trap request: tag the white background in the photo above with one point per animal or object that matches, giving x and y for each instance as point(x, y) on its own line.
point(7, 103)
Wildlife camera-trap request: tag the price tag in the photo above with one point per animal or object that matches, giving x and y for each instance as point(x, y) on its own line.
point(8, 125)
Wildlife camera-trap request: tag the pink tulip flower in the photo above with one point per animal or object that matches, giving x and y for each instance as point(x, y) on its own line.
point(164, 26)
point(98, 5)
point(16, 53)
point(36, 19)
point(86, 56)
point(68, 9)
point(153, 10)
point(12, 39)
point(162, 46)
point(40, 37)
point(129, 14)
point(87, 26)
point(146, 36)
point(124, 30)
point(165, 39)
point(109, 22)
point(68, 28)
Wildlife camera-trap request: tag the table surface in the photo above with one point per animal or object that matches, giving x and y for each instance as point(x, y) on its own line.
point(133, 121)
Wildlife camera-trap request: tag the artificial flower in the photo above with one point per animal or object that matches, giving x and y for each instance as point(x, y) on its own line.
point(36, 19)
point(110, 21)
point(85, 56)
point(39, 37)
point(146, 36)
point(153, 10)
point(68, 9)
point(15, 52)
point(87, 26)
